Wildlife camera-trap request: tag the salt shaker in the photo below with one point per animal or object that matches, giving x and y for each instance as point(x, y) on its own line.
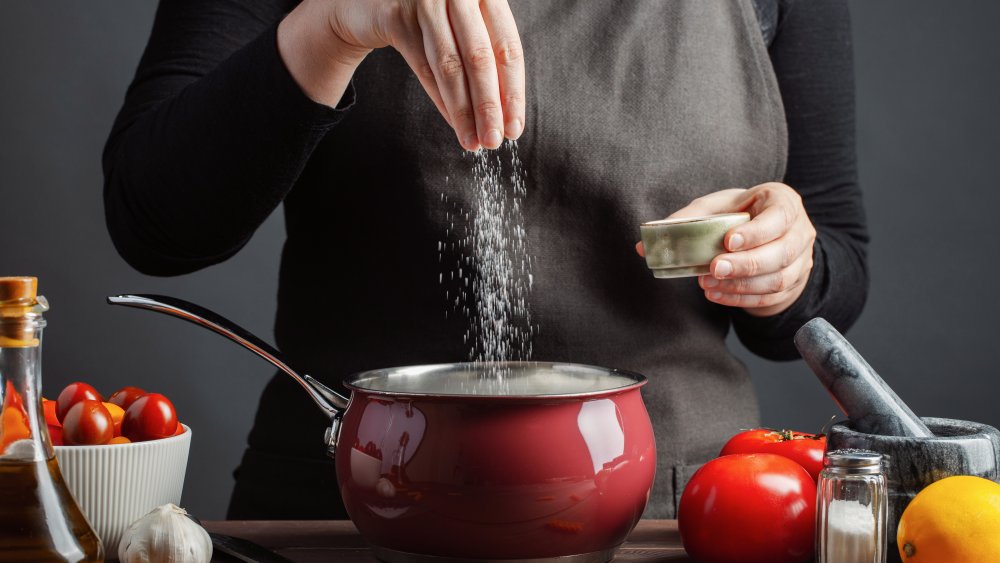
point(851, 507)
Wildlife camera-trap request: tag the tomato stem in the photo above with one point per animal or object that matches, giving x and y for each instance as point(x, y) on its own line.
point(788, 435)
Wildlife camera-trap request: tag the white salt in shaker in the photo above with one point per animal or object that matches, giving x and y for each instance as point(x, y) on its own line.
point(851, 506)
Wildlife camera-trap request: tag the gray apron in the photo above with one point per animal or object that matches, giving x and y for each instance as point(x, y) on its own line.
point(634, 108)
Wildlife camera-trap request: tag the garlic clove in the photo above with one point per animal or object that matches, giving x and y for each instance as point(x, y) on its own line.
point(165, 535)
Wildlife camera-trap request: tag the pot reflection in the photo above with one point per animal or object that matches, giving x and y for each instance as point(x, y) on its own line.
point(602, 431)
point(388, 434)
point(496, 479)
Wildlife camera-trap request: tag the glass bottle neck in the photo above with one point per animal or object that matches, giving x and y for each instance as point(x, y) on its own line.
point(24, 435)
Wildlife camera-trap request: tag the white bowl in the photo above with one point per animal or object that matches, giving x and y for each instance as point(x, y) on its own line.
point(117, 484)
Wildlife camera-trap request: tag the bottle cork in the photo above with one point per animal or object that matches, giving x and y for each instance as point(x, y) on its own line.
point(18, 298)
point(18, 291)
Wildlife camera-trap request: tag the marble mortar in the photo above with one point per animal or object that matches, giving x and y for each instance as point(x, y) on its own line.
point(917, 451)
point(910, 463)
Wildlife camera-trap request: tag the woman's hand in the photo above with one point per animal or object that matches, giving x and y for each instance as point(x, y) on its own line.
point(466, 53)
point(769, 258)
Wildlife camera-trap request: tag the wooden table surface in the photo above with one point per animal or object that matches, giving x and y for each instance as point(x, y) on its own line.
point(339, 541)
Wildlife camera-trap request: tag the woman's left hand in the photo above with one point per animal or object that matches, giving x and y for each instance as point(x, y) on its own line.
point(769, 258)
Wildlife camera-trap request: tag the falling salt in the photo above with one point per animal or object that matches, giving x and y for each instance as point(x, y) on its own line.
point(493, 263)
point(499, 247)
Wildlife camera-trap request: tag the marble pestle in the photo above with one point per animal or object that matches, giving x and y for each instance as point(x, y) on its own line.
point(871, 406)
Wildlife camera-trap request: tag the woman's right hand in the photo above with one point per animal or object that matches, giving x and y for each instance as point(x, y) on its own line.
point(466, 53)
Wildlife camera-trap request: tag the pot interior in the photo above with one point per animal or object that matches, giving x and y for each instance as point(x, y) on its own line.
point(496, 379)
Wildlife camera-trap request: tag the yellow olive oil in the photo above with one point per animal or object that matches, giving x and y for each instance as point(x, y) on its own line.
point(39, 520)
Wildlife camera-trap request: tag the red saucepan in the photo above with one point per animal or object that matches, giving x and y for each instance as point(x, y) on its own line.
point(517, 461)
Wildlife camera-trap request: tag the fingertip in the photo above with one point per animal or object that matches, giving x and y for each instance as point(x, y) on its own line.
point(721, 268)
point(470, 142)
point(513, 128)
point(735, 242)
point(493, 139)
point(640, 249)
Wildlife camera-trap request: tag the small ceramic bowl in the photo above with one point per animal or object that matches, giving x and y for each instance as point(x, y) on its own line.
point(684, 247)
point(116, 485)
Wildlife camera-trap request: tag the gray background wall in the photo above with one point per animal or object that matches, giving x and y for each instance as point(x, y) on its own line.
point(929, 141)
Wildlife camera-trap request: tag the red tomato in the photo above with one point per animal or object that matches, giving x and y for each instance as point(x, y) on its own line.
point(805, 449)
point(49, 407)
point(749, 508)
point(56, 435)
point(150, 417)
point(88, 423)
point(73, 394)
point(125, 396)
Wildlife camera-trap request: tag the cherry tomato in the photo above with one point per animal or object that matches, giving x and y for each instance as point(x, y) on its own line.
point(805, 449)
point(88, 423)
point(13, 425)
point(120, 440)
point(13, 418)
point(749, 508)
point(117, 415)
point(150, 417)
point(125, 396)
point(73, 394)
point(11, 398)
point(180, 429)
point(56, 435)
point(49, 408)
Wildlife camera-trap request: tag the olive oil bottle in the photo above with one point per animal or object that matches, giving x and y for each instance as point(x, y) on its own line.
point(39, 520)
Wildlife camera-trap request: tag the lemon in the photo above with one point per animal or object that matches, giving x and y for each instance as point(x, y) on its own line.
point(954, 520)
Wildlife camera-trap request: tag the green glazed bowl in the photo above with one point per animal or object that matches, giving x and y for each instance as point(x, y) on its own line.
point(684, 247)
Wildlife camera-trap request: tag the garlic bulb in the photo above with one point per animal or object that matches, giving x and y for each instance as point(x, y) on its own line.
point(165, 535)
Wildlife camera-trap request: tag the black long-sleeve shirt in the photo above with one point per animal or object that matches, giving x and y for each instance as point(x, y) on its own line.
point(214, 134)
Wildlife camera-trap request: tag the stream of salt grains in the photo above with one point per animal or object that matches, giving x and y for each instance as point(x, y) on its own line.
point(486, 268)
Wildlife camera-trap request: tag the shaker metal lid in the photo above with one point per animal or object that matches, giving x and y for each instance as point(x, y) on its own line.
point(853, 461)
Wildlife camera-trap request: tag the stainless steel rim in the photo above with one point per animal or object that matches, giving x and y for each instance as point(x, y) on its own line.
point(393, 556)
point(519, 380)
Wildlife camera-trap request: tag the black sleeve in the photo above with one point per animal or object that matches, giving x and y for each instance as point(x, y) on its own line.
point(812, 59)
point(212, 135)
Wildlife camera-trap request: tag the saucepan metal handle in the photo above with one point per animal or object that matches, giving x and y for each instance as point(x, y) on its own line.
point(331, 402)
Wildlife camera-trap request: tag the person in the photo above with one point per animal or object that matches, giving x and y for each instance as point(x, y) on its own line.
point(354, 115)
